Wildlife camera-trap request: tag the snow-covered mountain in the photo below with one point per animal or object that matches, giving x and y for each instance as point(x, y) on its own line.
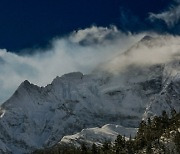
point(36, 117)
point(169, 96)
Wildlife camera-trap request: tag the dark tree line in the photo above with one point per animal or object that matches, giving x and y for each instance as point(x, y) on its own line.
point(146, 140)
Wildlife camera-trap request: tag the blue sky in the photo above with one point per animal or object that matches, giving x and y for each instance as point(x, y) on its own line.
point(33, 23)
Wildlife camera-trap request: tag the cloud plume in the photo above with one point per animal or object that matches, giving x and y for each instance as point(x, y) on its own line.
point(171, 17)
point(81, 51)
point(85, 50)
point(159, 49)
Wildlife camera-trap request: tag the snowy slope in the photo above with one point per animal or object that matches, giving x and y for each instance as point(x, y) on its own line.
point(98, 135)
point(36, 117)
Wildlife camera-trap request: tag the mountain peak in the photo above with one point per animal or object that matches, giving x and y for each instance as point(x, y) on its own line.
point(73, 75)
point(25, 83)
point(69, 76)
point(146, 38)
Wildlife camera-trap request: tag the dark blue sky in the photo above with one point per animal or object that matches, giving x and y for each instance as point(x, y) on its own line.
point(32, 23)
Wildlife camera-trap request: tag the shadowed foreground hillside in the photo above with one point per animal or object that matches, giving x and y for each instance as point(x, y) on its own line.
point(158, 135)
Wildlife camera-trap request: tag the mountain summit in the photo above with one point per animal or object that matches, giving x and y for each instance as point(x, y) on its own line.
point(39, 117)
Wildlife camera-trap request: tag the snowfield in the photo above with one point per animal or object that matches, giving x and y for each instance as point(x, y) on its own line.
point(98, 135)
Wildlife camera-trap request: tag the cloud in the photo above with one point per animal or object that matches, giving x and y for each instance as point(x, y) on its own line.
point(94, 35)
point(159, 49)
point(82, 50)
point(85, 50)
point(171, 17)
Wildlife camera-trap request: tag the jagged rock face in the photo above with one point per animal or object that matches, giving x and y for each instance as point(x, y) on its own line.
point(169, 97)
point(36, 117)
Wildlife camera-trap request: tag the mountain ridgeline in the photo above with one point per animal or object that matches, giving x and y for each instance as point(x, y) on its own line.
point(102, 103)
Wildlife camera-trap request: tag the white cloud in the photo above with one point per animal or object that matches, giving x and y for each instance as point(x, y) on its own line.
point(170, 17)
point(159, 50)
point(104, 46)
point(94, 35)
point(66, 55)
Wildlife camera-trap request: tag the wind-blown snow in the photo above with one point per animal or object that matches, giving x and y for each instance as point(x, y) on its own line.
point(81, 51)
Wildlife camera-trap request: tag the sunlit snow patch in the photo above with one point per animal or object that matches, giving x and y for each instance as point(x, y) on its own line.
point(2, 112)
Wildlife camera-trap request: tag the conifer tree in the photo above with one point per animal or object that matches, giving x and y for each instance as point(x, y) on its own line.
point(177, 141)
point(106, 147)
point(84, 149)
point(165, 119)
point(94, 149)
